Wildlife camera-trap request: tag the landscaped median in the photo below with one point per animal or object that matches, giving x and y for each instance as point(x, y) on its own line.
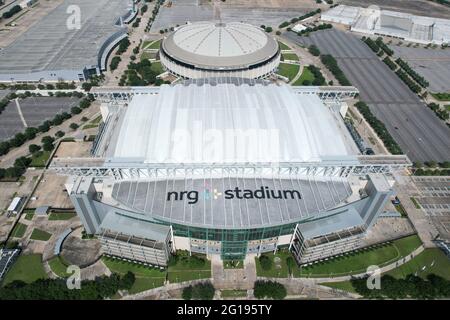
point(355, 262)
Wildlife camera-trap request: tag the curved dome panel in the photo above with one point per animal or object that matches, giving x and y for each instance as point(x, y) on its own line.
point(213, 45)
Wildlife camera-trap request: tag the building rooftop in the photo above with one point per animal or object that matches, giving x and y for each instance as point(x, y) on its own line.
point(208, 202)
point(220, 45)
point(225, 123)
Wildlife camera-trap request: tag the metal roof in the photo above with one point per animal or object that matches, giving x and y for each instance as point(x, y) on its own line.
point(227, 123)
point(220, 45)
point(210, 202)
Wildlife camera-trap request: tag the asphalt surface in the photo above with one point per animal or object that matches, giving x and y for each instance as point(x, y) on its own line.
point(418, 131)
point(180, 13)
point(432, 64)
point(35, 110)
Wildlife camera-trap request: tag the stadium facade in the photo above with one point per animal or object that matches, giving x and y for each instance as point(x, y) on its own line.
point(217, 49)
point(74, 48)
point(165, 175)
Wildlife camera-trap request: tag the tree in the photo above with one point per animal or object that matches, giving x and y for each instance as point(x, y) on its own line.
point(314, 50)
point(187, 293)
point(269, 289)
point(73, 126)
point(47, 139)
point(48, 146)
point(203, 291)
point(75, 110)
point(265, 261)
point(22, 162)
point(60, 134)
point(33, 148)
point(30, 133)
point(268, 29)
point(127, 281)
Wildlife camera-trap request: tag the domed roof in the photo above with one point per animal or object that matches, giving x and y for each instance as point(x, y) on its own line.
point(217, 44)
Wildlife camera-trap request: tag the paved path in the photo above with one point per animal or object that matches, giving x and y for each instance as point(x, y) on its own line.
point(135, 36)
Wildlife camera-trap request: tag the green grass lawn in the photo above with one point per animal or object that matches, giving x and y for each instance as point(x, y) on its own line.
point(27, 268)
point(154, 45)
point(440, 267)
point(61, 216)
point(234, 293)
point(146, 277)
point(59, 266)
point(182, 271)
point(41, 235)
point(157, 67)
point(288, 70)
point(290, 56)
point(19, 230)
point(442, 96)
point(29, 216)
point(283, 46)
point(306, 75)
point(94, 123)
point(148, 55)
point(40, 159)
point(352, 263)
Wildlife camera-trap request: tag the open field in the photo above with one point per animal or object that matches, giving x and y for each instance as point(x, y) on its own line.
point(27, 268)
point(418, 131)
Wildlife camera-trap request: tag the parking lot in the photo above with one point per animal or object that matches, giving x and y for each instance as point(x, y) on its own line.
point(35, 110)
point(432, 64)
point(418, 131)
point(183, 11)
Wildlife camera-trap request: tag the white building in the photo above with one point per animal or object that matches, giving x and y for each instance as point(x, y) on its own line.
point(216, 49)
point(373, 20)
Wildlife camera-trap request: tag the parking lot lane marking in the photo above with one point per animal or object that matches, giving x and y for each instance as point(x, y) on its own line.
point(20, 113)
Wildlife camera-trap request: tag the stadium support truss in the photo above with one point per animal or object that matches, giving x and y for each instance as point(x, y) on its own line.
point(101, 168)
point(125, 94)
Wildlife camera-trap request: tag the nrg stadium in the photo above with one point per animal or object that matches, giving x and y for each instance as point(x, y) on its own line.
point(157, 182)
